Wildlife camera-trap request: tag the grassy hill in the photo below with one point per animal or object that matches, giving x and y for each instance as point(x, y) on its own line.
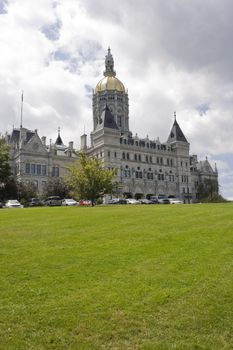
point(120, 277)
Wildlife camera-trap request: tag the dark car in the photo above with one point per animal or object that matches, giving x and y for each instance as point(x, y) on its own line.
point(1, 205)
point(154, 200)
point(160, 199)
point(118, 201)
point(53, 201)
point(35, 202)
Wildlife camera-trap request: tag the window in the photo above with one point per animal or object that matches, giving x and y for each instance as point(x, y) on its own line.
point(150, 176)
point(161, 177)
point(115, 154)
point(55, 171)
point(27, 168)
point(127, 173)
point(43, 169)
point(139, 157)
point(135, 157)
point(33, 168)
point(138, 174)
point(38, 169)
point(171, 178)
point(127, 156)
point(123, 155)
point(108, 153)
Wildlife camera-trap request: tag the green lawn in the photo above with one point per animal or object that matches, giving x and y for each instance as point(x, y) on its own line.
point(120, 277)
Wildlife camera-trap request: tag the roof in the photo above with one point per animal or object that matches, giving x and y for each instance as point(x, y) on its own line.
point(107, 119)
point(205, 166)
point(176, 134)
point(15, 136)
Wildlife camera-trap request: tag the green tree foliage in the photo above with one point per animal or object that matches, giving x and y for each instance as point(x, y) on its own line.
point(26, 192)
point(56, 187)
point(5, 171)
point(9, 190)
point(89, 180)
point(208, 191)
point(18, 190)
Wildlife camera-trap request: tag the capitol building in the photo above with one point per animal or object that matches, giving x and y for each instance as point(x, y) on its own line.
point(144, 167)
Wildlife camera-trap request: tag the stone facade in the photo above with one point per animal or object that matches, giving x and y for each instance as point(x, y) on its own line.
point(144, 166)
point(32, 161)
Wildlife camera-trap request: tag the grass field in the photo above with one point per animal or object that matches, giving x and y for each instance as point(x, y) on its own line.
point(120, 277)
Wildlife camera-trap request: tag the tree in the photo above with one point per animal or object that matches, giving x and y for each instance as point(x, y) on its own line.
point(56, 187)
point(26, 192)
point(89, 180)
point(9, 190)
point(5, 170)
point(208, 191)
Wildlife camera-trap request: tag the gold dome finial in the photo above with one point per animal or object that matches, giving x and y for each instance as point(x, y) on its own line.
point(109, 65)
point(109, 82)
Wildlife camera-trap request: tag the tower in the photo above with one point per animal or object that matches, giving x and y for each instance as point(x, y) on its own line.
point(111, 92)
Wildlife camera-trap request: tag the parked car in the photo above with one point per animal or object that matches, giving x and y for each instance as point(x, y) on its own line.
point(175, 201)
point(132, 201)
point(163, 200)
point(53, 201)
point(13, 203)
point(160, 199)
point(35, 202)
point(145, 201)
point(118, 201)
point(69, 202)
point(154, 200)
point(84, 202)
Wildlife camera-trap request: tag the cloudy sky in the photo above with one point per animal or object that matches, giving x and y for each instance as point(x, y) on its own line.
point(173, 55)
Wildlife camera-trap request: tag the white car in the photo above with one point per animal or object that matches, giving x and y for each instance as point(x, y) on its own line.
point(69, 202)
point(13, 203)
point(175, 201)
point(132, 201)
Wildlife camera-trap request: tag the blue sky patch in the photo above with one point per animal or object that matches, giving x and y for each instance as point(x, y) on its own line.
point(3, 4)
point(61, 55)
point(52, 31)
point(203, 109)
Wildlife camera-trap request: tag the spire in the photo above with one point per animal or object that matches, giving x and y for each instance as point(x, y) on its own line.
point(176, 133)
point(59, 140)
point(109, 65)
point(21, 114)
point(107, 119)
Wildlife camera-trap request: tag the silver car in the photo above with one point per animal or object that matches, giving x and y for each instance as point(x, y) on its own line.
point(69, 202)
point(13, 203)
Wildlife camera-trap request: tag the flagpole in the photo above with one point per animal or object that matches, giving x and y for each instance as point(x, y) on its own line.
point(21, 116)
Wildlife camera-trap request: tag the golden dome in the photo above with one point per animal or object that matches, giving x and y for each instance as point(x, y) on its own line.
point(109, 83)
